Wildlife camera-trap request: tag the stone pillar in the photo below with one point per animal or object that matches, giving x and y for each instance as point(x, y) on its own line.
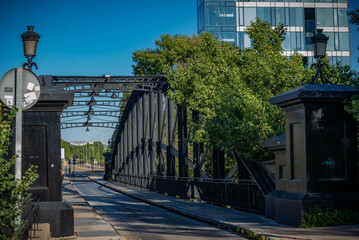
point(108, 165)
point(41, 146)
point(321, 157)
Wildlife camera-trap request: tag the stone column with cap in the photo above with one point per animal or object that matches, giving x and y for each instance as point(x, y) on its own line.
point(321, 161)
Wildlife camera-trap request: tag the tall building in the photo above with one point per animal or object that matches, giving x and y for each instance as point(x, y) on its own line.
point(227, 19)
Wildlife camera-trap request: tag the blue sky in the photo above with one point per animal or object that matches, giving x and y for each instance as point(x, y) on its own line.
point(96, 37)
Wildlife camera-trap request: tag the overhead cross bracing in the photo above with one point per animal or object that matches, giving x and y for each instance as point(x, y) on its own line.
point(98, 99)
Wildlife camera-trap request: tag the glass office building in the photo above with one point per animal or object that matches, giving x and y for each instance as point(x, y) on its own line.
point(227, 19)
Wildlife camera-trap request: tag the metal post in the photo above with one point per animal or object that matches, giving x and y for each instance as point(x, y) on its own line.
point(18, 127)
point(182, 136)
point(144, 133)
point(170, 138)
point(151, 122)
point(218, 163)
point(197, 150)
point(130, 135)
point(138, 136)
point(159, 133)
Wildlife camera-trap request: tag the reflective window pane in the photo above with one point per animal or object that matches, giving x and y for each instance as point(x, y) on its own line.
point(342, 17)
point(212, 16)
point(296, 16)
point(244, 40)
point(201, 18)
point(286, 42)
point(330, 44)
point(221, 16)
point(249, 16)
point(264, 13)
point(345, 61)
point(344, 41)
point(229, 37)
point(325, 17)
point(280, 17)
point(228, 16)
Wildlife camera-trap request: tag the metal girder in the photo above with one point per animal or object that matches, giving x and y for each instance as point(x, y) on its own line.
point(89, 124)
point(113, 103)
point(108, 94)
point(96, 83)
point(66, 114)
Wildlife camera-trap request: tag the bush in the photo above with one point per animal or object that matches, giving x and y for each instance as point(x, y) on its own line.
point(321, 217)
point(12, 191)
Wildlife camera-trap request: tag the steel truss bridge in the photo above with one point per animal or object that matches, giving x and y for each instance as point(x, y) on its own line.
point(153, 147)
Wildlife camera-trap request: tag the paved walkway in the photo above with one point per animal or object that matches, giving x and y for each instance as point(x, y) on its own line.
point(88, 224)
point(228, 218)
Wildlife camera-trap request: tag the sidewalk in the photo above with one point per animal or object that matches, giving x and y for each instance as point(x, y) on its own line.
point(88, 224)
point(228, 218)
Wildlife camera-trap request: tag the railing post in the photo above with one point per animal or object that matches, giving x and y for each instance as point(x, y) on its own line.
point(138, 136)
point(159, 133)
point(182, 136)
point(197, 150)
point(170, 137)
point(218, 163)
point(151, 122)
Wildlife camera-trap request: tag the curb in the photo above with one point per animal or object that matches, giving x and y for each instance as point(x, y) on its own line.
point(217, 223)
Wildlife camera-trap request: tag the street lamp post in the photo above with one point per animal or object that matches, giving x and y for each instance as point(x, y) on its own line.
point(30, 40)
point(319, 42)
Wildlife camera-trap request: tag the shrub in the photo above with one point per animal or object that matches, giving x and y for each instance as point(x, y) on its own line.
point(321, 217)
point(12, 191)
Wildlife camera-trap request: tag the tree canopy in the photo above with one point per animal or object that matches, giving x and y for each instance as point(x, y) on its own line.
point(230, 87)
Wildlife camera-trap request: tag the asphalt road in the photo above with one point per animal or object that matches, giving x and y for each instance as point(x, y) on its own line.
point(134, 219)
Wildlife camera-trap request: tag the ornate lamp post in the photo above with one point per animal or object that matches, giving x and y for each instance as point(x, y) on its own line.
point(319, 42)
point(30, 40)
point(109, 144)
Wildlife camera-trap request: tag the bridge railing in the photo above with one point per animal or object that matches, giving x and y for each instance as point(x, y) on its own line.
point(235, 193)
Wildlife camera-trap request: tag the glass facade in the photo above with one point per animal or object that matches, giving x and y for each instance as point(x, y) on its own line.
point(227, 19)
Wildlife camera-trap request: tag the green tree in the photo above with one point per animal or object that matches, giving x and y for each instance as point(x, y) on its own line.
point(230, 87)
point(12, 191)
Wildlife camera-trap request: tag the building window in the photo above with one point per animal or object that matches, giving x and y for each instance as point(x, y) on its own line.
point(279, 16)
point(264, 13)
point(249, 15)
point(220, 16)
point(342, 17)
point(294, 41)
point(201, 18)
point(325, 17)
point(229, 37)
point(296, 16)
point(344, 41)
point(309, 25)
point(244, 40)
point(330, 44)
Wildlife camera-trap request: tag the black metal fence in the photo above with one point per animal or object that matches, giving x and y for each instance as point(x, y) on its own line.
point(238, 194)
point(30, 217)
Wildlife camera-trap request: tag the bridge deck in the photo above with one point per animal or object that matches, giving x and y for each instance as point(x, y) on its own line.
point(228, 218)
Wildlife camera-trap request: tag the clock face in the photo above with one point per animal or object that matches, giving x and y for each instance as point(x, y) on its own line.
point(30, 88)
